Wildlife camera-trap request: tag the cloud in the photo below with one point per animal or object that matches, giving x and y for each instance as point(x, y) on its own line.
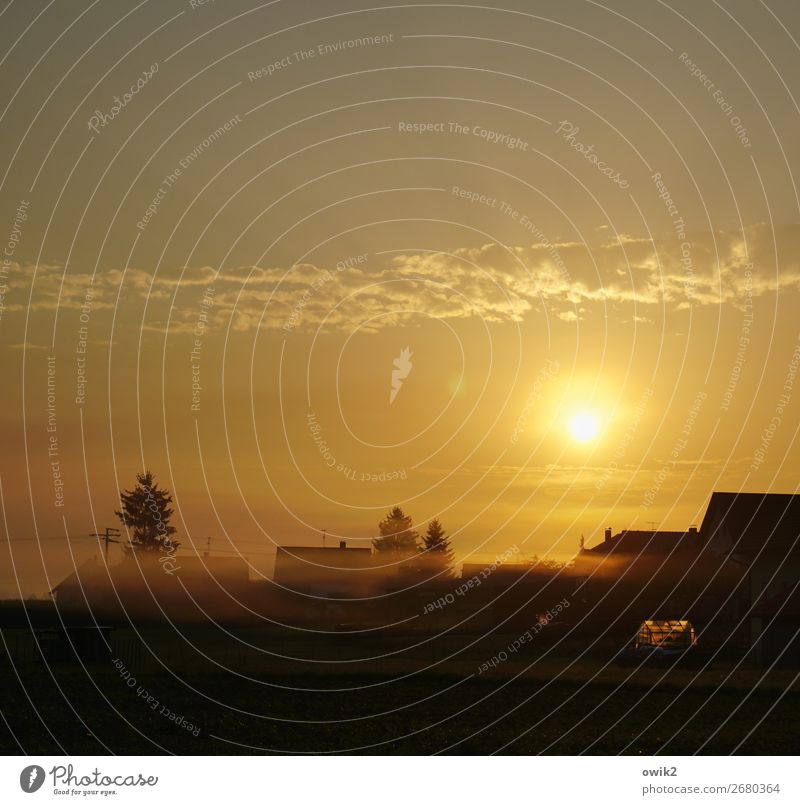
point(25, 346)
point(490, 282)
point(599, 481)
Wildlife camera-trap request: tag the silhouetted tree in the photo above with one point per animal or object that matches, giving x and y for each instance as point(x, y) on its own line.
point(437, 554)
point(397, 535)
point(146, 514)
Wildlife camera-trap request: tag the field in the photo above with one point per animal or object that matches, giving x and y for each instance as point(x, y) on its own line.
point(401, 704)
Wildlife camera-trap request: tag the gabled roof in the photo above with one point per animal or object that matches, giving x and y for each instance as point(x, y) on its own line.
point(750, 522)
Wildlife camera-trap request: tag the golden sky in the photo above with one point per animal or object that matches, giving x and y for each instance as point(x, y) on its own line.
point(223, 224)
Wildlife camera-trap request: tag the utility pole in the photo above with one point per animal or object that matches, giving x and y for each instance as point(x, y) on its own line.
point(324, 534)
point(107, 537)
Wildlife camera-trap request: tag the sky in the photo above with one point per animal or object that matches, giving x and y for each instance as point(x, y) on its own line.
point(570, 230)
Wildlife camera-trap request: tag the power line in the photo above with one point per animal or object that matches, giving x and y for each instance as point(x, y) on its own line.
point(107, 537)
point(70, 539)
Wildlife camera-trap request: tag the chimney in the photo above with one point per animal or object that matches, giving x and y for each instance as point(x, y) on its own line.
point(342, 544)
point(608, 534)
point(693, 530)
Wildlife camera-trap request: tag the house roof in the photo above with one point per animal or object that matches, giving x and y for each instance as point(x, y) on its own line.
point(753, 522)
point(311, 559)
point(305, 549)
point(645, 542)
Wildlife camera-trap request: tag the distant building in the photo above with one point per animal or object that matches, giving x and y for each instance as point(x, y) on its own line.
point(197, 588)
point(323, 572)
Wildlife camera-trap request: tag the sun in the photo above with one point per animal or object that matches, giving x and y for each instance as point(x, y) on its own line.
point(584, 426)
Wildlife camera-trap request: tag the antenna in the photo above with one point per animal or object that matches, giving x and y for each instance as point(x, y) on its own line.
point(324, 534)
point(208, 545)
point(107, 537)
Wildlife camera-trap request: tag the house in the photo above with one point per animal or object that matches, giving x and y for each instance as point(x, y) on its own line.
point(635, 575)
point(775, 629)
point(650, 558)
point(761, 533)
point(326, 572)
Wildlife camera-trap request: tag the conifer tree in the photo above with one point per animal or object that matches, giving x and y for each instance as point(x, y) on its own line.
point(438, 554)
point(146, 513)
point(397, 535)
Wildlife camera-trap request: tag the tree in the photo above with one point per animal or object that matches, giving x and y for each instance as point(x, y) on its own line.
point(397, 535)
point(146, 513)
point(438, 556)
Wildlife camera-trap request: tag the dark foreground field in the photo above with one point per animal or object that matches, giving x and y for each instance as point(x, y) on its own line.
point(419, 714)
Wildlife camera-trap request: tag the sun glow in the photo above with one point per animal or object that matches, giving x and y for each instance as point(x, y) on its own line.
point(584, 426)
